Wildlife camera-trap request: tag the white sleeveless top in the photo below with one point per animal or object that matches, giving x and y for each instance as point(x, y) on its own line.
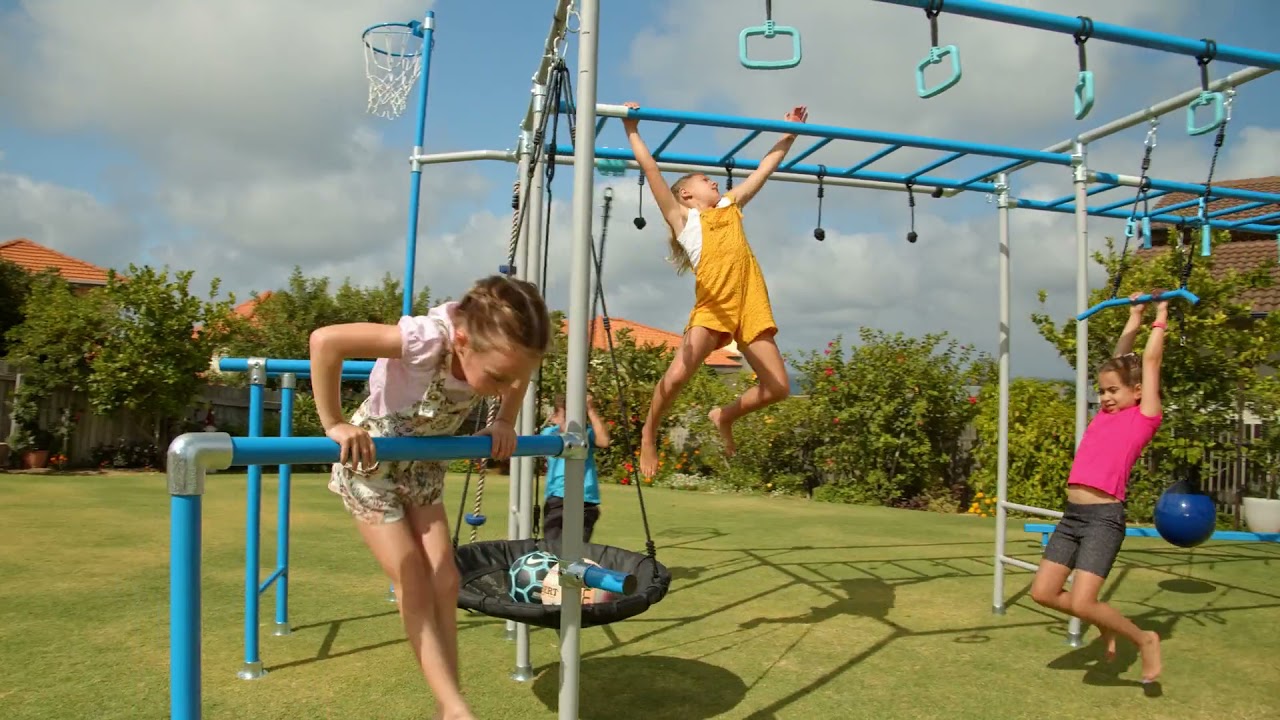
point(690, 238)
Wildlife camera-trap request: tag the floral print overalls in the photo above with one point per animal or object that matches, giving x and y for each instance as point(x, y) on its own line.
point(384, 492)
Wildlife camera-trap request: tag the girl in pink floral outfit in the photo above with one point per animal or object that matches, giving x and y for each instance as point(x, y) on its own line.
point(431, 371)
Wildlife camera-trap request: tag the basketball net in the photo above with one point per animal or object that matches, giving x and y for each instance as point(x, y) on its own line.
point(392, 63)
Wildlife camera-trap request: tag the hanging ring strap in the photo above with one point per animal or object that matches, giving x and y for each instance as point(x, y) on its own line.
point(728, 170)
point(911, 204)
point(1203, 59)
point(932, 11)
point(1082, 36)
point(640, 221)
point(818, 233)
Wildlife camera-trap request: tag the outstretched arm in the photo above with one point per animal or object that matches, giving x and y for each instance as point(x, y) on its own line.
point(1152, 355)
point(598, 426)
point(672, 211)
point(1124, 344)
point(749, 187)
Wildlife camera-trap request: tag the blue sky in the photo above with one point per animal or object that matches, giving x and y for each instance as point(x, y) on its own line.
point(139, 131)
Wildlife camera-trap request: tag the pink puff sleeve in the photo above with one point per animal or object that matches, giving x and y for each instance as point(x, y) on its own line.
point(421, 342)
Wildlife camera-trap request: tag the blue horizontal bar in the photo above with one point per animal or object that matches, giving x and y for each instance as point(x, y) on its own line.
point(309, 450)
point(1160, 217)
point(667, 141)
point(267, 583)
point(1101, 31)
point(741, 144)
point(992, 172)
point(1238, 209)
point(936, 164)
point(821, 143)
point(276, 366)
point(880, 154)
point(1091, 191)
point(1254, 220)
point(1179, 294)
point(840, 133)
point(1229, 535)
point(712, 161)
point(1217, 191)
point(1152, 195)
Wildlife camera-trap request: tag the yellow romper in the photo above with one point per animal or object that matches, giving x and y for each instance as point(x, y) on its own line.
point(730, 295)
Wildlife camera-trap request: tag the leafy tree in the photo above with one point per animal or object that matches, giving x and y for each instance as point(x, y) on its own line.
point(15, 286)
point(1041, 442)
point(1213, 354)
point(155, 345)
point(888, 417)
point(59, 336)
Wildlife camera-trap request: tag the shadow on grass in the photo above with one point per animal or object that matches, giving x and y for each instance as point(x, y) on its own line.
point(628, 686)
point(325, 652)
point(1101, 672)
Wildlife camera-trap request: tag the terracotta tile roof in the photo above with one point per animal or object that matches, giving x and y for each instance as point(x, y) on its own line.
point(1270, 184)
point(1242, 255)
point(727, 357)
point(35, 257)
point(246, 309)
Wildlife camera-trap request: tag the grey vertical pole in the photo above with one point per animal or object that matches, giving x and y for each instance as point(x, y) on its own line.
point(531, 263)
point(1081, 181)
point(576, 380)
point(522, 272)
point(1004, 203)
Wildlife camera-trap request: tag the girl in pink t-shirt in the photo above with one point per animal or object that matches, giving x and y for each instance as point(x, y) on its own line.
point(431, 371)
point(1089, 536)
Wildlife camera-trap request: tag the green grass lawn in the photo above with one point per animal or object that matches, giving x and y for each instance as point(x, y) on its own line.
point(780, 608)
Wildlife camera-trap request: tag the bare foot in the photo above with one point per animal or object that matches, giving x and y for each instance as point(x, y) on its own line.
point(1110, 639)
point(462, 713)
point(726, 431)
point(1150, 650)
point(648, 453)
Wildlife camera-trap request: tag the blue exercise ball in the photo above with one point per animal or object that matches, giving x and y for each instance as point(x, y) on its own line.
point(1185, 519)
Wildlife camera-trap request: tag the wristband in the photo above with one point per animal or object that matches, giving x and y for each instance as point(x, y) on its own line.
point(1160, 324)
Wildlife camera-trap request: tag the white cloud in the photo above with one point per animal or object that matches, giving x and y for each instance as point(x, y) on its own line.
point(67, 220)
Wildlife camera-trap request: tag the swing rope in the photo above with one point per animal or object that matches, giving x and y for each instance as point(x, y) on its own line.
point(1140, 197)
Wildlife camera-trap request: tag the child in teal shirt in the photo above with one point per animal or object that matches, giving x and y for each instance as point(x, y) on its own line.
point(553, 511)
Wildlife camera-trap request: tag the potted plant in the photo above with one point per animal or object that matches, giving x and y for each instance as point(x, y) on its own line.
point(1261, 501)
point(24, 438)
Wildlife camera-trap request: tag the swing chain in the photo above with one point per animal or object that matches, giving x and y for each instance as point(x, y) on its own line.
point(911, 205)
point(728, 171)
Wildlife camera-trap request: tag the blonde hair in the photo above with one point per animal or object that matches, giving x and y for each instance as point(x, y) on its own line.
point(1127, 367)
point(501, 312)
point(679, 257)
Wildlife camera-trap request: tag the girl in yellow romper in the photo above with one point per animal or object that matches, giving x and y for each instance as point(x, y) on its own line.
point(731, 300)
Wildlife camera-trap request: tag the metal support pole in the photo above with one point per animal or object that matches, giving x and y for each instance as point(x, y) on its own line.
point(522, 271)
point(252, 669)
point(578, 354)
point(1003, 203)
point(523, 671)
point(415, 166)
point(1080, 178)
point(288, 386)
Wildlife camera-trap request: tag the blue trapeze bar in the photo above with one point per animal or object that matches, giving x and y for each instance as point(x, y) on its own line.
point(310, 450)
point(1179, 294)
point(276, 366)
point(1068, 25)
point(713, 161)
point(837, 133)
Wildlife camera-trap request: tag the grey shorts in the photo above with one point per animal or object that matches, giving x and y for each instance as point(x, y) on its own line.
point(1088, 537)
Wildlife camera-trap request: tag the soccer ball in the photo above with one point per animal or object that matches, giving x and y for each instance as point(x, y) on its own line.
point(527, 574)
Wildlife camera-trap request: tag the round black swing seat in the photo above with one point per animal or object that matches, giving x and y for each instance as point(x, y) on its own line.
point(486, 582)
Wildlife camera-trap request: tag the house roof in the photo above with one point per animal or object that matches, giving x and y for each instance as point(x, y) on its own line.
point(34, 257)
point(1269, 184)
point(1244, 255)
point(247, 308)
point(727, 357)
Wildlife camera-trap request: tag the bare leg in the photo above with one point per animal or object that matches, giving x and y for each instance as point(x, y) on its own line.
point(431, 527)
point(1086, 606)
point(1047, 590)
point(771, 373)
point(698, 343)
point(400, 554)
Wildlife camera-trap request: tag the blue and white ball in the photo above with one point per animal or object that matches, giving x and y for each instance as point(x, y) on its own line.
point(527, 574)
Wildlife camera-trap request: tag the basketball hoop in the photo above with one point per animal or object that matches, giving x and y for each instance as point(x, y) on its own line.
point(392, 62)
